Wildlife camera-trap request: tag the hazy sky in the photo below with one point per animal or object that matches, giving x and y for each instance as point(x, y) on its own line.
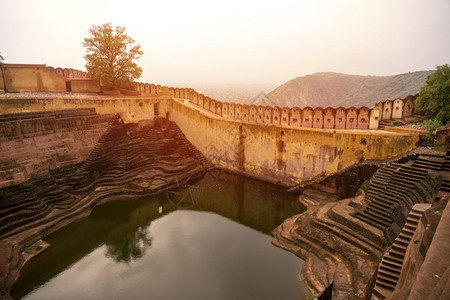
point(199, 43)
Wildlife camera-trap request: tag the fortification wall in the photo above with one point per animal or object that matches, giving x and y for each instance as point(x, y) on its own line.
point(40, 78)
point(273, 152)
point(308, 117)
point(281, 154)
point(30, 78)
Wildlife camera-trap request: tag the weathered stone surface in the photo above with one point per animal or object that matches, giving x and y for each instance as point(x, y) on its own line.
point(342, 242)
point(128, 161)
point(33, 143)
point(346, 254)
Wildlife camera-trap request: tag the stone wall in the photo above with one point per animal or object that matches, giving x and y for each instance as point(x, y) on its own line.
point(308, 117)
point(281, 154)
point(30, 78)
point(34, 143)
point(131, 109)
point(40, 78)
point(274, 152)
point(23, 77)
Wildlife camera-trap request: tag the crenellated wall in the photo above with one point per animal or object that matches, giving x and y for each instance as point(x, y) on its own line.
point(308, 117)
point(281, 154)
point(255, 144)
point(278, 144)
point(40, 78)
point(68, 72)
point(26, 77)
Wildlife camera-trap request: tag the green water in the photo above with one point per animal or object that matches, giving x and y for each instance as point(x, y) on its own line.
point(207, 240)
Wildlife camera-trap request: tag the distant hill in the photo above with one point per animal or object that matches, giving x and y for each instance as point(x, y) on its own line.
point(336, 89)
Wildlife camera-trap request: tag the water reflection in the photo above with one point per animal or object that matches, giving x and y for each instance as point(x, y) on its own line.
point(129, 246)
point(149, 232)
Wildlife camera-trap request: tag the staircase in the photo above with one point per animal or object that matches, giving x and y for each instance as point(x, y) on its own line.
point(383, 123)
point(446, 166)
point(430, 162)
point(393, 185)
point(392, 261)
point(445, 186)
point(124, 163)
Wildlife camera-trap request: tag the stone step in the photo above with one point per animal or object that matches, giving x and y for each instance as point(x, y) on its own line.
point(415, 215)
point(376, 218)
point(421, 169)
point(407, 176)
point(413, 170)
point(392, 260)
point(404, 236)
point(397, 253)
point(369, 221)
point(399, 247)
point(379, 214)
point(384, 202)
point(381, 207)
point(410, 226)
point(389, 274)
point(420, 208)
point(402, 241)
point(391, 268)
point(412, 221)
point(386, 279)
point(417, 175)
point(407, 232)
point(427, 166)
point(380, 292)
point(400, 184)
point(386, 285)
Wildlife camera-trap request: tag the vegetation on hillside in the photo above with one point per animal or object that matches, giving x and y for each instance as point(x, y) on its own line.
point(336, 89)
point(110, 56)
point(434, 97)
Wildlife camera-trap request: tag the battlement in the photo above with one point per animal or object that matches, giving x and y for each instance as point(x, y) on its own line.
point(34, 77)
point(68, 73)
point(307, 117)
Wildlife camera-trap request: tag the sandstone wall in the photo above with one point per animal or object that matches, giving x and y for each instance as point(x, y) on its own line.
point(40, 78)
point(131, 109)
point(308, 117)
point(33, 143)
point(281, 154)
point(31, 78)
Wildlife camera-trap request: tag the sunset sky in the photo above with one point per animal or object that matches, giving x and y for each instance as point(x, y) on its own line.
point(209, 43)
